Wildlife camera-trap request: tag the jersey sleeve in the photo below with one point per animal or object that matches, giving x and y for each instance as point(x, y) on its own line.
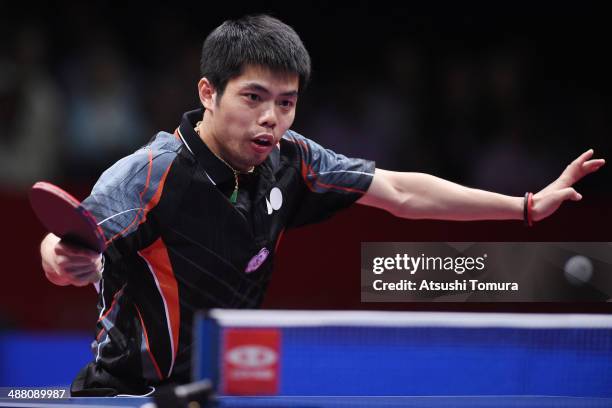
point(329, 181)
point(123, 198)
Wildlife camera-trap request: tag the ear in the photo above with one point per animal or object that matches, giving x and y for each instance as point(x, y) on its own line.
point(207, 93)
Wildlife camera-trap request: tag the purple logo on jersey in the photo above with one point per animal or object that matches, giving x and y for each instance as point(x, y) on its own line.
point(257, 260)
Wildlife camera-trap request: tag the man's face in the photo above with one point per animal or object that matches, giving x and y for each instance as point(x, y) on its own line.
point(252, 115)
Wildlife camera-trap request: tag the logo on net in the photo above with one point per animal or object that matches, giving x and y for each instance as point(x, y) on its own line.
point(251, 356)
point(252, 362)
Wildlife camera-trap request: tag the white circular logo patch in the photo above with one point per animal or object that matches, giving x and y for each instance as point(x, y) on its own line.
point(276, 200)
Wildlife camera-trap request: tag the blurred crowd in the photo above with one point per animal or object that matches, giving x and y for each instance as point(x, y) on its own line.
point(463, 100)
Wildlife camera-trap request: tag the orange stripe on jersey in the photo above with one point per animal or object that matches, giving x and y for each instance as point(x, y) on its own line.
point(305, 170)
point(117, 295)
point(352, 190)
point(144, 330)
point(157, 257)
point(154, 200)
point(144, 190)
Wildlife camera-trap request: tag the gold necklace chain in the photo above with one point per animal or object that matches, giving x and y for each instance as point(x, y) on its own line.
point(234, 195)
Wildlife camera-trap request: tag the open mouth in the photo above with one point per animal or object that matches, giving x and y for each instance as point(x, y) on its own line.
point(262, 142)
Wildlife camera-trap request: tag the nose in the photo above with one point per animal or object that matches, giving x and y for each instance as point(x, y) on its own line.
point(268, 118)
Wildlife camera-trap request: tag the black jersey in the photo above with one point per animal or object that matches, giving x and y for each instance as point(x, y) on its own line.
point(176, 244)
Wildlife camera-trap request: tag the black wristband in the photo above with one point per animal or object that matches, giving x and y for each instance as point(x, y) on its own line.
point(525, 209)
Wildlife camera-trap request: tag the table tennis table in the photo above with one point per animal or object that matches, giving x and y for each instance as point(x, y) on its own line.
point(333, 402)
point(257, 358)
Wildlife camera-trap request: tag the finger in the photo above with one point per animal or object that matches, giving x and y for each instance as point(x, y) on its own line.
point(64, 278)
point(76, 254)
point(71, 257)
point(93, 276)
point(593, 165)
point(570, 194)
point(580, 168)
point(69, 249)
point(69, 253)
point(80, 278)
point(588, 169)
point(78, 271)
point(71, 262)
point(85, 279)
point(67, 261)
point(584, 156)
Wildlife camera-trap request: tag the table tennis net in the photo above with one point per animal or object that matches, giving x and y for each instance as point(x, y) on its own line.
point(411, 354)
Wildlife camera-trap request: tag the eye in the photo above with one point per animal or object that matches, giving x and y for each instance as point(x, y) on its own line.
point(253, 97)
point(286, 103)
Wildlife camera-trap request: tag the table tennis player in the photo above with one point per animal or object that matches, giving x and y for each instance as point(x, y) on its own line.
point(192, 219)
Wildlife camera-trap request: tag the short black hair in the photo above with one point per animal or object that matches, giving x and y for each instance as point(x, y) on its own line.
point(253, 40)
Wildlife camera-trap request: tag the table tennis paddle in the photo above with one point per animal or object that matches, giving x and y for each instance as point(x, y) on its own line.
point(63, 215)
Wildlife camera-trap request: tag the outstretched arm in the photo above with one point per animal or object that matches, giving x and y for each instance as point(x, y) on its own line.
point(423, 196)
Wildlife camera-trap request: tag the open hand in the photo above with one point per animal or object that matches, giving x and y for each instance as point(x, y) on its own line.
point(548, 200)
